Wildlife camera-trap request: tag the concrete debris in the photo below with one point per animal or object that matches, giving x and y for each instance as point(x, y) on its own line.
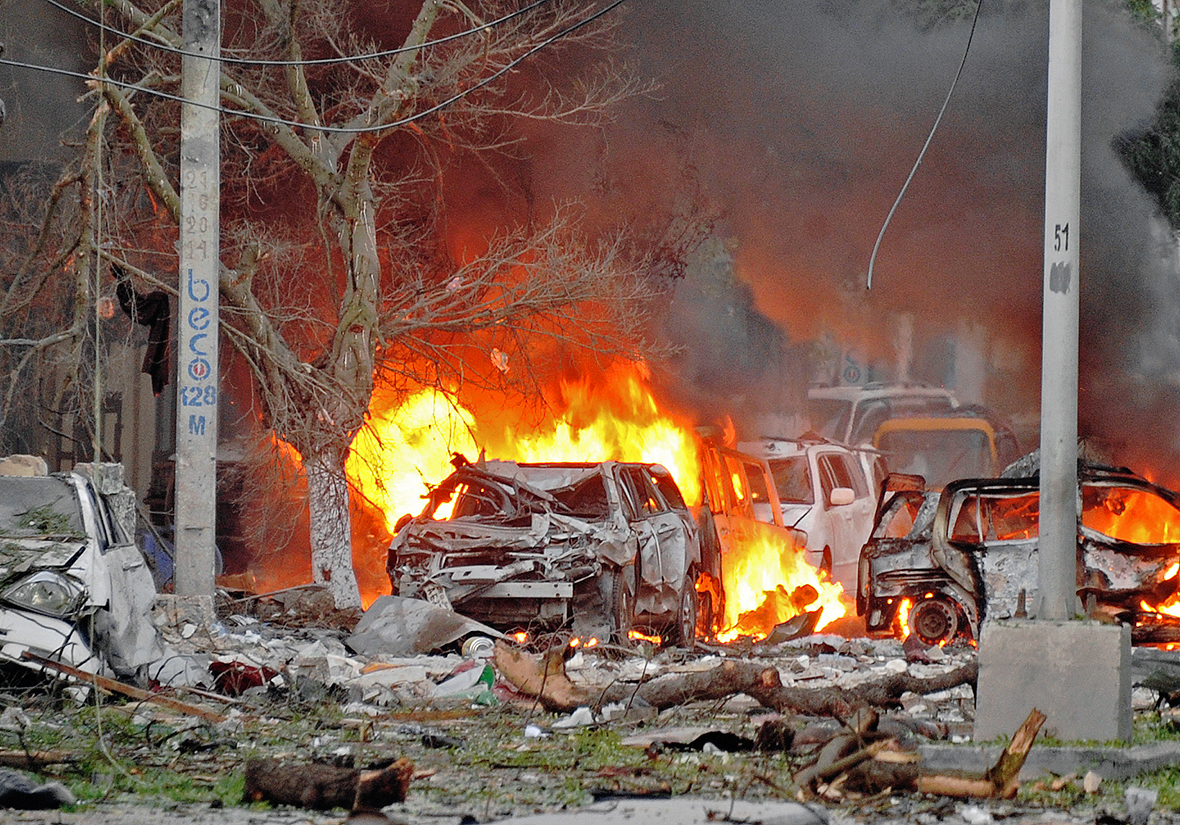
point(683, 812)
point(1140, 803)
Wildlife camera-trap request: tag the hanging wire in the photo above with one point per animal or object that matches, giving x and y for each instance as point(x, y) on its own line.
point(930, 137)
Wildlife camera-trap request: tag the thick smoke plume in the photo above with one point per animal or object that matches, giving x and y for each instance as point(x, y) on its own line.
point(801, 121)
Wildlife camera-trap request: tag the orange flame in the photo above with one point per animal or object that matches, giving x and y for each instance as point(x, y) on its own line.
point(768, 582)
point(638, 635)
point(409, 445)
point(1172, 606)
point(903, 617)
point(1134, 516)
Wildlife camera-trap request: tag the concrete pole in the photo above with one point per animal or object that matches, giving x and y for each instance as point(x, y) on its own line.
point(1057, 548)
point(197, 320)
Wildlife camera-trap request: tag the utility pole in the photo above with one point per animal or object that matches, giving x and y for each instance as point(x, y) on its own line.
point(1078, 673)
point(1057, 546)
point(197, 385)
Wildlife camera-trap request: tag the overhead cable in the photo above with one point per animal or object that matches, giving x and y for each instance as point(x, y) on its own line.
point(327, 129)
point(308, 62)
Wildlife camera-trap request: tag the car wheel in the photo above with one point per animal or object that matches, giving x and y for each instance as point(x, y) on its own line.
point(624, 587)
point(685, 630)
point(935, 621)
point(825, 564)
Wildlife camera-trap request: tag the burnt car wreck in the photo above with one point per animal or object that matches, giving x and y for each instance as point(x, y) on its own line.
point(74, 587)
point(602, 548)
point(969, 553)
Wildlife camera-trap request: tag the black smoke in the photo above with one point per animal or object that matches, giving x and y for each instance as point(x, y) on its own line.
point(802, 120)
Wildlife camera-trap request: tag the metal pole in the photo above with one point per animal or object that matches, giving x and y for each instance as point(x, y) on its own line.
point(197, 320)
point(1057, 548)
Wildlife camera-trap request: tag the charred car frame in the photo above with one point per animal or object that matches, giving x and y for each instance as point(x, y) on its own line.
point(602, 547)
point(969, 552)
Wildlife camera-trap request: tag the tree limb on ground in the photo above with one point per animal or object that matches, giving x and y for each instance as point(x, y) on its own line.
point(323, 787)
point(544, 678)
point(877, 768)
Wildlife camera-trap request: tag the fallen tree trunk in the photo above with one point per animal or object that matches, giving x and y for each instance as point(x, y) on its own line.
point(544, 677)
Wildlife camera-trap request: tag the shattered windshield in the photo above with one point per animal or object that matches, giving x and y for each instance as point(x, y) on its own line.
point(483, 495)
point(40, 507)
point(1000, 516)
point(791, 480)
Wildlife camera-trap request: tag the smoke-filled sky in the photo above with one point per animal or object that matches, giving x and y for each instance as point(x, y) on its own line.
point(803, 120)
point(800, 120)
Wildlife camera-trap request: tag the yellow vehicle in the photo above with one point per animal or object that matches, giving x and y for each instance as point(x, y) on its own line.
point(944, 448)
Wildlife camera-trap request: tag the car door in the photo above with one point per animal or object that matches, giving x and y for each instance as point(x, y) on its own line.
point(122, 583)
point(848, 523)
point(663, 541)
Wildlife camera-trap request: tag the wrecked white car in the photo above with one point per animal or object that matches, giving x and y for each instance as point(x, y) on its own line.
point(954, 558)
point(816, 494)
point(603, 548)
point(74, 587)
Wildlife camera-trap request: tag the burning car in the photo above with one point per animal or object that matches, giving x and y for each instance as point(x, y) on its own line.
point(603, 547)
point(74, 587)
point(822, 493)
point(953, 558)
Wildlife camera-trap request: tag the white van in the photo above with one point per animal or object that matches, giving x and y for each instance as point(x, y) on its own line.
point(852, 414)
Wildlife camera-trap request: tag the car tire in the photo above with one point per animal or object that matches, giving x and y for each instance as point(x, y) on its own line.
point(688, 611)
point(825, 564)
point(624, 590)
point(935, 621)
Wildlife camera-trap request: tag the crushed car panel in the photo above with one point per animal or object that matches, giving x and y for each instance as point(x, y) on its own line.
point(73, 585)
point(601, 546)
point(970, 552)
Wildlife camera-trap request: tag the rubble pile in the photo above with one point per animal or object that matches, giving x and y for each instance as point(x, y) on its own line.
point(477, 728)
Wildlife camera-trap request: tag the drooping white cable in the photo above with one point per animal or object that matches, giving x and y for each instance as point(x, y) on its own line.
point(930, 137)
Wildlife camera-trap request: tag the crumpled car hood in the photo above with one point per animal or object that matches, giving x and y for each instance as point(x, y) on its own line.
point(18, 556)
point(545, 530)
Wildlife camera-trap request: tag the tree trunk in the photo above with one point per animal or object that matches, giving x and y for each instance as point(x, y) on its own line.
point(331, 539)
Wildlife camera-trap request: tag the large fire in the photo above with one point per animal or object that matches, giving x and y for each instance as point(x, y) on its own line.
point(409, 445)
point(767, 581)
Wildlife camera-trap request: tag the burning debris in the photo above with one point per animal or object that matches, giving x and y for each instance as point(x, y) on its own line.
point(840, 718)
point(769, 572)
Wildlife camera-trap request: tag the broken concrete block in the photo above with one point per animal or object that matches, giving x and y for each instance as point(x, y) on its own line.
point(1078, 673)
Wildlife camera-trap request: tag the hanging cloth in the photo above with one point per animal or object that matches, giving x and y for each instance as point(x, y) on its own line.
point(153, 311)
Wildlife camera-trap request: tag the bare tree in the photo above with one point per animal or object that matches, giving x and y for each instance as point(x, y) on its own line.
point(343, 135)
